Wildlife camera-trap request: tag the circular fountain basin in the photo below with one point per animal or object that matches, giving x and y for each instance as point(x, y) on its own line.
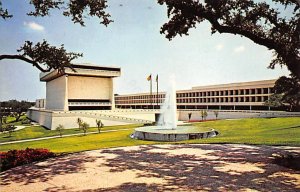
point(181, 133)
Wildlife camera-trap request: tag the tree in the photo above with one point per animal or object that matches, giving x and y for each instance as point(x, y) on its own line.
point(190, 116)
point(275, 100)
point(4, 120)
point(204, 114)
point(289, 88)
point(79, 122)
point(10, 129)
point(59, 129)
point(99, 125)
point(257, 21)
point(216, 114)
point(42, 53)
point(85, 127)
point(17, 108)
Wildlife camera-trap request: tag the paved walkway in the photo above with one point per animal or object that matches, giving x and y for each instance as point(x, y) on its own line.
point(52, 137)
point(159, 168)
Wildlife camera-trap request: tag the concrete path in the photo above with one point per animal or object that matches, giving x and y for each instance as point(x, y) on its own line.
point(52, 137)
point(159, 168)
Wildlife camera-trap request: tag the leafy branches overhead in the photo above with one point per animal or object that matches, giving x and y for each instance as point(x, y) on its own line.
point(4, 13)
point(76, 9)
point(43, 54)
point(96, 8)
point(42, 7)
point(257, 21)
point(289, 88)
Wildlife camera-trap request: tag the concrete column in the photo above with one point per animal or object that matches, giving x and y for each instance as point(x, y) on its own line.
point(112, 97)
point(66, 105)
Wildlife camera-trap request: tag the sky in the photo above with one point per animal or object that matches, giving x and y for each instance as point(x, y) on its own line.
point(134, 43)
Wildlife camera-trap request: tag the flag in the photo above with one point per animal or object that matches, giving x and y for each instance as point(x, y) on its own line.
point(156, 78)
point(149, 78)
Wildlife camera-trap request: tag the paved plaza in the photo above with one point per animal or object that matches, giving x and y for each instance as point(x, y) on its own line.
point(159, 168)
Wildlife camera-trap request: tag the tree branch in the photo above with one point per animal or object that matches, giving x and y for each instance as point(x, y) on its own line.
point(20, 57)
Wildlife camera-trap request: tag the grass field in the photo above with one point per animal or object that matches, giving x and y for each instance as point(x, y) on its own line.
point(275, 131)
point(38, 131)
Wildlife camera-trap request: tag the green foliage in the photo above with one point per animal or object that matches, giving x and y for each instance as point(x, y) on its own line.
point(42, 53)
point(216, 113)
point(259, 21)
point(189, 116)
point(275, 100)
point(79, 122)
point(4, 13)
point(99, 125)
point(4, 120)
point(59, 129)
point(33, 132)
point(203, 114)
point(15, 108)
point(84, 127)
point(9, 129)
point(289, 88)
point(274, 131)
point(77, 10)
point(26, 121)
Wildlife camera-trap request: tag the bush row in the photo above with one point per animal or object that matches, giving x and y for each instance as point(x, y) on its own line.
point(14, 158)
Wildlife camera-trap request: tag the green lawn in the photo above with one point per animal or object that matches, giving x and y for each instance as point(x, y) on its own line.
point(12, 120)
point(32, 132)
point(275, 131)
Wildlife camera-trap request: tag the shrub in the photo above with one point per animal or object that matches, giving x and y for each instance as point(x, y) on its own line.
point(26, 121)
point(14, 158)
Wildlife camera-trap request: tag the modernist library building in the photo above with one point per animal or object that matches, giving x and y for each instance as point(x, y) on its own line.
point(233, 96)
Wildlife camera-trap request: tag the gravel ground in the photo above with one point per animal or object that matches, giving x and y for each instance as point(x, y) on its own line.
point(159, 168)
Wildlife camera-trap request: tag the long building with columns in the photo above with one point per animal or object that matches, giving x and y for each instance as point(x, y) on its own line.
point(232, 96)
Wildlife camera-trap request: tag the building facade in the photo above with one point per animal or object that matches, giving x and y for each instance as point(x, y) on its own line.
point(88, 87)
point(233, 96)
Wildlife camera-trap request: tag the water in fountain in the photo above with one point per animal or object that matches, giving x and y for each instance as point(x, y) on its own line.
point(168, 117)
point(167, 130)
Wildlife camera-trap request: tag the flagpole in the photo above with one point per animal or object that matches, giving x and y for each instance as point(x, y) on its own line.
point(157, 91)
point(151, 93)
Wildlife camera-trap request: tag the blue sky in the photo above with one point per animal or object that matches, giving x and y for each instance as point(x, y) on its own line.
point(132, 42)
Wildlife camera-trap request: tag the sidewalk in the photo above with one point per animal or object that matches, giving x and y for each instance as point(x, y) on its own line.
point(53, 137)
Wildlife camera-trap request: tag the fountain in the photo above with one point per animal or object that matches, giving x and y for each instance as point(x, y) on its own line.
point(166, 128)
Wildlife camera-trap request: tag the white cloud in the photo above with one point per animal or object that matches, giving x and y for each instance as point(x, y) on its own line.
point(34, 26)
point(239, 49)
point(219, 47)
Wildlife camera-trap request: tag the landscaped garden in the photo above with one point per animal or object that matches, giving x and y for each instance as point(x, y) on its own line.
point(258, 131)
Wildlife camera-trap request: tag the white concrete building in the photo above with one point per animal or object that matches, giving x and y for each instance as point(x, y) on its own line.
point(86, 93)
point(89, 87)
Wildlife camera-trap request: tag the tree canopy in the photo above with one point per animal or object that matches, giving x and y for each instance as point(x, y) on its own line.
point(289, 89)
point(257, 21)
point(44, 56)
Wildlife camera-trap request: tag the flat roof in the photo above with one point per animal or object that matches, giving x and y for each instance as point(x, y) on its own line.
point(87, 70)
point(248, 84)
point(236, 85)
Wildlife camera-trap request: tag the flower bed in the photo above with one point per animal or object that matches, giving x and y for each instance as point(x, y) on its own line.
point(14, 158)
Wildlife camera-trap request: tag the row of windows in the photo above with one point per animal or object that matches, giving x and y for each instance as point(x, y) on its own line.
point(239, 92)
point(203, 100)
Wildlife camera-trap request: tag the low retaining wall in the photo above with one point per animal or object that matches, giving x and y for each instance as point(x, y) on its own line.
point(196, 115)
point(171, 137)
